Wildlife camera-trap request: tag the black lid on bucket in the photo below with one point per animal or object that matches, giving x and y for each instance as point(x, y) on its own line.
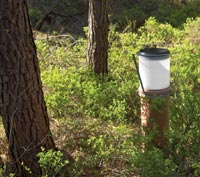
point(154, 52)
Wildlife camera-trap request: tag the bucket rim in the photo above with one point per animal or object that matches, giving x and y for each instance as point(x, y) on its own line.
point(154, 52)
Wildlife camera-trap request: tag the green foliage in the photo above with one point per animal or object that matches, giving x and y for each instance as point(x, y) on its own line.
point(96, 119)
point(134, 13)
point(176, 14)
point(185, 135)
point(107, 151)
point(158, 33)
point(34, 14)
point(173, 13)
point(51, 162)
point(100, 115)
point(1, 171)
point(26, 168)
point(70, 16)
point(71, 88)
point(181, 157)
point(153, 163)
point(192, 30)
point(11, 175)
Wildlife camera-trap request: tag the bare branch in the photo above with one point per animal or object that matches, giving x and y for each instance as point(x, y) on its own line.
point(39, 24)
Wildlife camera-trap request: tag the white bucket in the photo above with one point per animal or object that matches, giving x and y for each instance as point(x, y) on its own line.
point(154, 68)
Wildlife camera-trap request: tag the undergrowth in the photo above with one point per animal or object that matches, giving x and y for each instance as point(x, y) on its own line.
point(97, 120)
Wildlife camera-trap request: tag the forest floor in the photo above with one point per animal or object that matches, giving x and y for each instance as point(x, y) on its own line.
point(3, 143)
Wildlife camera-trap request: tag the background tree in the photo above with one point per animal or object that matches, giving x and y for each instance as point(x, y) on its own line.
point(22, 105)
point(97, 53)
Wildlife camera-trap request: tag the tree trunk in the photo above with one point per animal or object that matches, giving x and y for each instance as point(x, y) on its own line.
point(98, 36)
point(22, 105)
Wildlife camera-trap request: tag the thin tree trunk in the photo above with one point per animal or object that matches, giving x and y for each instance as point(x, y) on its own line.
point(98, 36)
point(22, 105)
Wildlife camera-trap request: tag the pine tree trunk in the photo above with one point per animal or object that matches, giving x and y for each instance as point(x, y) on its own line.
point(98, 36)
point(22, 105)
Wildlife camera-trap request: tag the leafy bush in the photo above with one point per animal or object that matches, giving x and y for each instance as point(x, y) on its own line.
point(154, 32)
point(176, 14)
point(51, 162)
point(185, 133)
point(1, 171)
point(153, 163)
point(101, 115)
point(192, 30)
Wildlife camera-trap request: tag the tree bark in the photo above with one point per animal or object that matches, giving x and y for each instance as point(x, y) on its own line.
point(97, 53)
point(22, 105)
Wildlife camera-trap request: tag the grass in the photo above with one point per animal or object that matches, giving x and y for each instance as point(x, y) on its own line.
point(95, 145)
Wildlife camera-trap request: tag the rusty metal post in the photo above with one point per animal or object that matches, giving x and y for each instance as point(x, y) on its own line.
point(155, 115)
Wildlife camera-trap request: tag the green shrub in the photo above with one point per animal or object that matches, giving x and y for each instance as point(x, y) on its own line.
point(192, 30)
point(2, 171)
point(185, 134)
point(152, 163)
point(51, 162)
point(101, 115)
point(154, 32)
